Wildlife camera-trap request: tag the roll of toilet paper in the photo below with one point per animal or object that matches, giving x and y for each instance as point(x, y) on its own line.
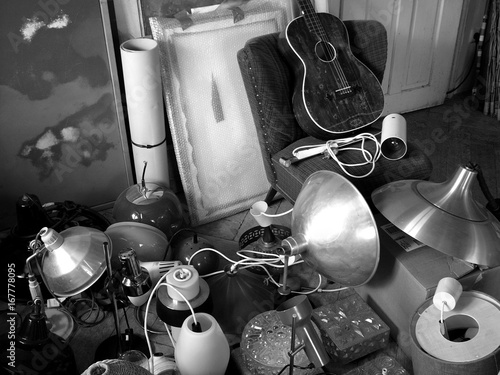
point(447, 293)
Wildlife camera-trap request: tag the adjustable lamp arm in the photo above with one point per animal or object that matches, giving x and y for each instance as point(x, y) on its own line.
point(35, 290)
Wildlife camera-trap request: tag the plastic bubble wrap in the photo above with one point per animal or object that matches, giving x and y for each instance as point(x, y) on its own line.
point(213, 132)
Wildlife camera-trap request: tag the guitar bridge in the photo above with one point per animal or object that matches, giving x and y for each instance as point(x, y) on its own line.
point(342, 93)
point(344, 90)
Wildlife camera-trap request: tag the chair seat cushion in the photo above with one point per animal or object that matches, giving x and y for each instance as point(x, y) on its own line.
point(414, 165)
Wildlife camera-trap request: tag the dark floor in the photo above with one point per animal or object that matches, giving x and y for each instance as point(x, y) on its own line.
point(457, 133)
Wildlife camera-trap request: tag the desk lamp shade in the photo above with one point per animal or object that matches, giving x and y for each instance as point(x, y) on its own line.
point(334, 230)
point(74, 259)
point(38, 350)
point(246, 294)
point(443, 216)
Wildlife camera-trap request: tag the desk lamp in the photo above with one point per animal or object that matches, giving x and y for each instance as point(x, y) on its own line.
point(71, 262)
point(443, 216)
point(333, 230)
point(335, 233)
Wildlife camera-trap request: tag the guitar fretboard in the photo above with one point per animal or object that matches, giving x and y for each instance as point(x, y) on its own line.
point(312, 20)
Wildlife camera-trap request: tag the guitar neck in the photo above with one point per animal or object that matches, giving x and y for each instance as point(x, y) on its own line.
point(312, 20)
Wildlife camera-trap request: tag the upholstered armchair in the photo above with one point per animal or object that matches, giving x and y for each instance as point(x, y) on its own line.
point(269, 84)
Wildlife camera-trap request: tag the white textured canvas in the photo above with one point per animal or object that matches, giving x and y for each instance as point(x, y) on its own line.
point(212, 127)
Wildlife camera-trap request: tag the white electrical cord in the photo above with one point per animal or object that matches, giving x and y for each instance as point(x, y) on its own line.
point(245, 262)
point(280, 214)
point(248, 262)
point(333, 147)
point(146, 333)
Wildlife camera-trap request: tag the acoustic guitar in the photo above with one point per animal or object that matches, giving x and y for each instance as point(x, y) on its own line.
point(334, 92)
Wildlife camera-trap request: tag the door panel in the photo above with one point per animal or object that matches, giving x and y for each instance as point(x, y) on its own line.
point(422, 37)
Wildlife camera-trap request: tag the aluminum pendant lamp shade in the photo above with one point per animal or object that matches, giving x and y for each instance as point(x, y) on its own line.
point(334, 230)
point(443, 216)
point(74, 259)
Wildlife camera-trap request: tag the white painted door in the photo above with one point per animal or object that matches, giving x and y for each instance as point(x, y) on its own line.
point(422, 36)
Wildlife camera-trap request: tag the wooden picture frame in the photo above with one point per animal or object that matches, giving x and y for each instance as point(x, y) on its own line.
point(62, 127)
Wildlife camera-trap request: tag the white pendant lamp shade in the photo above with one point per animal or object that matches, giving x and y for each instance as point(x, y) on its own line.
point(443, 216)
point(202, 353)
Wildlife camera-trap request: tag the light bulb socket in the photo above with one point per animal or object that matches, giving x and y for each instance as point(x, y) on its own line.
point(137, 286)
point(183, 282)
point(196, 327)
point(293, 245)
point(136, 280)
point(51, 239)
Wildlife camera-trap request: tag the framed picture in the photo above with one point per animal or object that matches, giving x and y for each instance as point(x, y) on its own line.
point(62, 130)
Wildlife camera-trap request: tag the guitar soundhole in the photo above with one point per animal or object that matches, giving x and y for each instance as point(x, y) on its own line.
point(325, 51)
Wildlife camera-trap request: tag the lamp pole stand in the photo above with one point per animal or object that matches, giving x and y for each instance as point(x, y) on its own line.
point(293, 350)
point(110, 289)
point(284, 289)
point(113, 346)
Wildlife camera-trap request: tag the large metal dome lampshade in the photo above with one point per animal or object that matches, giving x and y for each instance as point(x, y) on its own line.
point(74, 259)
point(443, 216)
point(334, 231)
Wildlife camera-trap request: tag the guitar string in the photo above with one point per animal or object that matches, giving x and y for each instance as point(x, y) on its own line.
point(317, 26)
point(318, 29)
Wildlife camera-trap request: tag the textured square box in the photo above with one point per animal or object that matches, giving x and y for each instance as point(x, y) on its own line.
point(383, 364)
point(350, 329)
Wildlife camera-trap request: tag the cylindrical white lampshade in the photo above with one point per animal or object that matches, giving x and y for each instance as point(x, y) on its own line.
point(258, 211)
point(393, 138)
point(143, 89)
point(202, 353)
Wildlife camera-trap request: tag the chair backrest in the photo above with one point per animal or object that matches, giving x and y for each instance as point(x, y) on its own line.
point(269, 83)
